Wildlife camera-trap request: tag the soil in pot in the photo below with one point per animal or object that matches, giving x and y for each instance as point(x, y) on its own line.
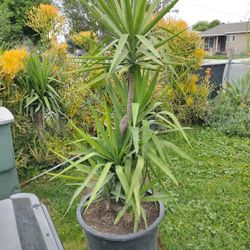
point(101, 217)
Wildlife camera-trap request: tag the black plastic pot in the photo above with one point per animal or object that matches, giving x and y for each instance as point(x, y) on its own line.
point(142, 240)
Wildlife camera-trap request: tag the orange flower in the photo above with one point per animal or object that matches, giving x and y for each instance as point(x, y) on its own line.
point(199, 54)
point(192, 84)
point(208, 74)
point(177, 25)
point(49, 10)
point(12, 62)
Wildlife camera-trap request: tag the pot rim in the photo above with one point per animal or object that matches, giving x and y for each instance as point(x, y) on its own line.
point(117, 237)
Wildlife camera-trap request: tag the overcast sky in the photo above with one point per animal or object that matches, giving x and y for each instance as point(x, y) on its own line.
point(224, 10)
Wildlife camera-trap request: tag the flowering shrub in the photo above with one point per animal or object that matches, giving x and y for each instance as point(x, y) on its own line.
point(58, 49)
point(85, 39)
point(181, 90)
point(29, 87)
point(57, 52)
point(188, 44)
point(80, 101)
point(188, 99)
point(45, 20)
point(12, 62)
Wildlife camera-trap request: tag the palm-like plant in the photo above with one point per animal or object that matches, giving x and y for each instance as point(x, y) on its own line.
point(127, 158)
point(130, 23)
point(40, 94)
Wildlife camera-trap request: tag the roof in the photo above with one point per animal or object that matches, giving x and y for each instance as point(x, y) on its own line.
point(227, 28)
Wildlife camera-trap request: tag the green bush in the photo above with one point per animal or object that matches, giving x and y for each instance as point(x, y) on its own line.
point(31, 152)
point(230, 110)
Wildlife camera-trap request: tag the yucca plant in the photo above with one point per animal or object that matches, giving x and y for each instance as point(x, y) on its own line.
point(130, 23)
point(123, 169)
point(127, 158)
point(40, 94)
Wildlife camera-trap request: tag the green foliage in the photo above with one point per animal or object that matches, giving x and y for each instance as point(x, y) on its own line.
point(214, 23)
point(3, 47)
point(5, 24)
point(213, 196)
point(130, 25)
point(80, 19)
point(229, 117)
point(135, 163)
point(36, 154)
point(205, 25)
point(201, 26)
point(239, 90)
point(127, 158)
point(40, 94)
point(230, 111)
point(12, 20)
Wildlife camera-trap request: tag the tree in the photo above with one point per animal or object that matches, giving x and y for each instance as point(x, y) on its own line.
point(214, 23)
point(5, 25)
point(205, 25)
point(79, 17)
point(12, 19)
point(201, 26)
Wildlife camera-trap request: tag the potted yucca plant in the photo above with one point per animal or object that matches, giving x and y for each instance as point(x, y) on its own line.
point(126, 164)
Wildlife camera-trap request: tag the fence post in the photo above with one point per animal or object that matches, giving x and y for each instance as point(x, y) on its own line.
point(9, 182)
point(228, 70)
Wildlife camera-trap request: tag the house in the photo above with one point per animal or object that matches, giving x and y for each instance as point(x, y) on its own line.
point(230, 39)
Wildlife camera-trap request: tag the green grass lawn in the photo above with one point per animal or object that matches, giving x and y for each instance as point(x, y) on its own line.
point(214, 197)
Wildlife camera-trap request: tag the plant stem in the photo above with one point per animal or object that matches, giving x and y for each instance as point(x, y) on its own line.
point(39, 122)
point(131, 93)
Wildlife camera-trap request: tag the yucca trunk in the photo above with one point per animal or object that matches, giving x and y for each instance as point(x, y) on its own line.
point(131, 93)
point(40, 123)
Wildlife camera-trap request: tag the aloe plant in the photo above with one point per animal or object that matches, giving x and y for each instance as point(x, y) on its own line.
point(240, 89)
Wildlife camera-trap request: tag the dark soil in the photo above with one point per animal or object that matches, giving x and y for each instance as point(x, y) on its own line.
point(101, 217)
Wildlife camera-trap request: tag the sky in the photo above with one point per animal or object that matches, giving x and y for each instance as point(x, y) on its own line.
point(227, 11)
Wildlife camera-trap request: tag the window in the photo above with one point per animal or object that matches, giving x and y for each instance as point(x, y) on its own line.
point(231, 38)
